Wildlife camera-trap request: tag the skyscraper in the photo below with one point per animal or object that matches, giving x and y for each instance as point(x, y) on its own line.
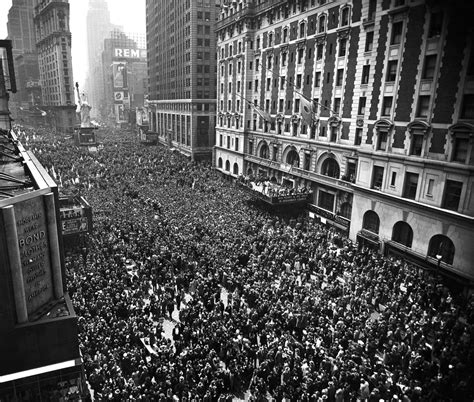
point(53, 42)
point(98, 28)
point(181, 71)
point(21, 31)
point(387, 151)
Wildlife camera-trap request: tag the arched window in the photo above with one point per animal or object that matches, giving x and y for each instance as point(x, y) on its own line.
point(442, 248)
point(264, 151)
point(371, 222)
point(236, 168)
point(322, 23)
point(330, 168)
point(227, 166)
point(346, 210)
point(270, 39)
point(285, 35)
point(402, 233)
point(249, 172)
point(219, 163)
point(293, 158)
point(345, 16)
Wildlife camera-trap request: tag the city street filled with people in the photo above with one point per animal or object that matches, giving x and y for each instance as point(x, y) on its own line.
point(186, 290)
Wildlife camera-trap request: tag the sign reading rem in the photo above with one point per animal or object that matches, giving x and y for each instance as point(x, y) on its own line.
point(130, 53)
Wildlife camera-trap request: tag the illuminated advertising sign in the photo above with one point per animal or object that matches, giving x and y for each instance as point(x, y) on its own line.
point(130, 53)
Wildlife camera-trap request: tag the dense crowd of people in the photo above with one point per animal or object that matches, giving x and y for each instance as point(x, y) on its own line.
point(263, 307)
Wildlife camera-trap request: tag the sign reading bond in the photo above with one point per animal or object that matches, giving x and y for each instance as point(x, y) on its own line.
point(33, 243)
point(32, 252)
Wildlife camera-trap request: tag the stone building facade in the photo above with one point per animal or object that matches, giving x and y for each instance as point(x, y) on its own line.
point(388, 154)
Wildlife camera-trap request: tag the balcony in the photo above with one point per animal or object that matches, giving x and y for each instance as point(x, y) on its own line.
point(306, 174)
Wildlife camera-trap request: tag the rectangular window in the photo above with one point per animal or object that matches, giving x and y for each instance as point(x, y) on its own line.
point(337, 104)
point(300, 55)
point(342, 47)
point(423, 106)
point(236, 144)
point(269, 83)
point(382, 141)
point(326, 200)
point(220, 140)
point(387, 106)
point(369, 41)
point(281, 104)
point(436, 24)
point(365, 74)
point(333, 137)
point(339, 76)
point(297, 105)
point(377, 177)
point(317, 79)
point(411, 184)
point(467, 109)
point(452, 195)
point(460, 149)
point(283, 59)
point(361, 109)
point(397, 29)
point(298, 81)
point(282, 82)
point(429, 67)
point(391, 71)
point(393, 179)
point(416, 144)
point(429, 189)
point(319, 51)
point(358, 136)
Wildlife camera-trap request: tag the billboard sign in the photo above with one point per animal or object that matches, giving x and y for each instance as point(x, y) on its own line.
point(130, 53)
point(119, 71)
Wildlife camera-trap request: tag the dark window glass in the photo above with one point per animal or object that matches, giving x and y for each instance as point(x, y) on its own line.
point(402, 233)
point(326, 200)
point(429, 67)
point(369, 41)
point(411, 184)
point(452, 195)
point(397, 30)
point(371, 222)
point(442, 248)
point(377, 177)
point(416, 144)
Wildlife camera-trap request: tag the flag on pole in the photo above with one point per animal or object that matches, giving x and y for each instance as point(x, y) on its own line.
point(307, 111)
point(262, 113)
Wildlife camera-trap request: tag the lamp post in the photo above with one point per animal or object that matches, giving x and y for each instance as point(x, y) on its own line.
point(439, 258)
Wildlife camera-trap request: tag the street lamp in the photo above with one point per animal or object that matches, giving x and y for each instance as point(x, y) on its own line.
point(439, 257)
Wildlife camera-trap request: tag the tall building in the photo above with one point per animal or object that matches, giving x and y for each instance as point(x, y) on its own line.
point(98, 29)
point(53, 42)
point(389, 90)
point(124, 76)
point(181, 71)
point(21, 31)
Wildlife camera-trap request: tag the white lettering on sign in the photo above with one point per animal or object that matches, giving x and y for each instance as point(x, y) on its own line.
point(130, 53)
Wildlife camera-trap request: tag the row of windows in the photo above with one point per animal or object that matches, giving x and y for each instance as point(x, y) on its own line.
point(452, 189)
point(440, 247)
